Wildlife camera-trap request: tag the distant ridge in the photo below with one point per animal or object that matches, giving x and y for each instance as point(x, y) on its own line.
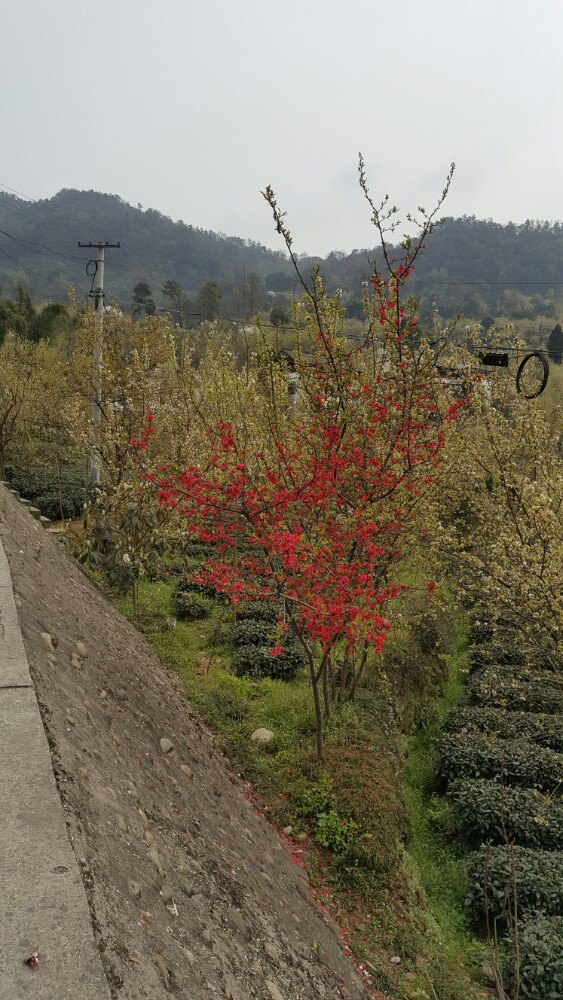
point(471, 265)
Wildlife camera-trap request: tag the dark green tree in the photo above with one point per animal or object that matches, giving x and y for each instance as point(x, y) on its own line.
point(208, 300)
point(143, 302)
point(279, 317)
point(555, 345)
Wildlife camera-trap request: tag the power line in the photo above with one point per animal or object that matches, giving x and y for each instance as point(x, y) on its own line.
point(47, 252)
point(50, 281)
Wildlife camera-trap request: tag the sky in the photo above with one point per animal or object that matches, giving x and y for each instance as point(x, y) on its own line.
point(192, 108)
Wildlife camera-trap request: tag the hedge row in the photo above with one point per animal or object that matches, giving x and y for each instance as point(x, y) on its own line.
point(258, 661)
point(486, 810)
point(541, 958)
point(498, 686)
point(49, 491)
point(537, 882)
point(536, 727)
point(516, 762)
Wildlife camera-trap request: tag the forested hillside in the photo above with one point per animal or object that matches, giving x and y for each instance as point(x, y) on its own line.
point(476, 267)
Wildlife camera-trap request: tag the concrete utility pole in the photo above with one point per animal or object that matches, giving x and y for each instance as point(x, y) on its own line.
point(97, 294)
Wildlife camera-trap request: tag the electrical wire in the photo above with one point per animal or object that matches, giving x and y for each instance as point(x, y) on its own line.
point(31, 270)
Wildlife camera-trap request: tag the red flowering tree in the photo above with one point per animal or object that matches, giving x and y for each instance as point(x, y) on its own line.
point(316, 511)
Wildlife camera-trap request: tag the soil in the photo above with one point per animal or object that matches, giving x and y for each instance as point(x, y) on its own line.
point(192, 893)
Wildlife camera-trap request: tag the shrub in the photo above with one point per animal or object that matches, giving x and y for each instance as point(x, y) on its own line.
point(541, 958)
point(474, 755)
point(267, 611)
point(187, 585)
point(486, 810)
point(191, 607)
point(537, 727)
point(517, 688)
point(41, 485)
point(538, 877)
point(258, 661)
point(253, 632)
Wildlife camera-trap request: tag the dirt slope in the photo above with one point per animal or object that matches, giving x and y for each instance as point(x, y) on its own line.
point(150, 826)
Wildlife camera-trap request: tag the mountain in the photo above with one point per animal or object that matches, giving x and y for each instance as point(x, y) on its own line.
point(473, 266)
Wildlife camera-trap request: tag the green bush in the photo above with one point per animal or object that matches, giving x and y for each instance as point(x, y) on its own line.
point(537, 727)
point(41, 485)
point(253, 632)
point(541, 958)
point(486, 810)
point(258, 661)
point(538, 881)
point(474, 755)
point(187, 585)
point(517, 687)
point(191, 607)
point(267, 611)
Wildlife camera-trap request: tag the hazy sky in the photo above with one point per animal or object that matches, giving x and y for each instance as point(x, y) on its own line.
point(193, 107)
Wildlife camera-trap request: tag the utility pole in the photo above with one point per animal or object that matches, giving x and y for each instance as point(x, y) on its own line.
point(97, 294)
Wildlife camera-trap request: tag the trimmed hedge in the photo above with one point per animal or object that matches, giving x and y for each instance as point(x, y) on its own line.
point(253, 632)
point(486, 810)
point(541, 958)
point(538, 877)
point(474, 755)
point(186, 585)
point(191, 607)
point(41, 485)
point(536, 727)
point(267, 611)
point(257, 661)
point(516, 687)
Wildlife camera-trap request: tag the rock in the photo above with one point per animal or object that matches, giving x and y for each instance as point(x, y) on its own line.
point(167, 894)
point(143, 816)
point(236, 921)
point(166, 745)
point(47, 639)
point(148, 838)
point(488, 972)
point(75, 660)
point(81, 650)
point(163, 969)
point(155, 858)
point(274, 992)
point(301, 837)
point(271, 951)
point(395, 960)
point(287, 830)
point(187, 771)
point(122, 824)
point(134, 889)
point(262, 737)
point(207, 936)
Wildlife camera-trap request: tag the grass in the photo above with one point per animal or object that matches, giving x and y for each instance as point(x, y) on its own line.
point(352, 808)
point(440, 864)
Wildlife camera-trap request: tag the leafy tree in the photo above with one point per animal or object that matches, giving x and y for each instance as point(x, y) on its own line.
point(208, 300)
point(143, 302)
point(555, 345)
point(279, 317)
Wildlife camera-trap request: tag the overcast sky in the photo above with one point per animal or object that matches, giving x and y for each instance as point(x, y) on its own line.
point(193, 107)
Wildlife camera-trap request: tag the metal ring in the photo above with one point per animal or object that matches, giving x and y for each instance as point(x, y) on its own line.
point(545, 376)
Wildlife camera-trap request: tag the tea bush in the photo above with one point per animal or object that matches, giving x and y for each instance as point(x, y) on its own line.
point(485, 810)
point(41, 485)
point(538, 880)
point(537, 727)
point(191, 607)
point(253, 632)
point(541, 958)
point(267, 611)
point(258, 661)
point(517, 761)
point(517, 688)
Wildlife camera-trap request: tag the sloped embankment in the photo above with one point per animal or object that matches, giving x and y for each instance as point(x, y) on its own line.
point(192, 893)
